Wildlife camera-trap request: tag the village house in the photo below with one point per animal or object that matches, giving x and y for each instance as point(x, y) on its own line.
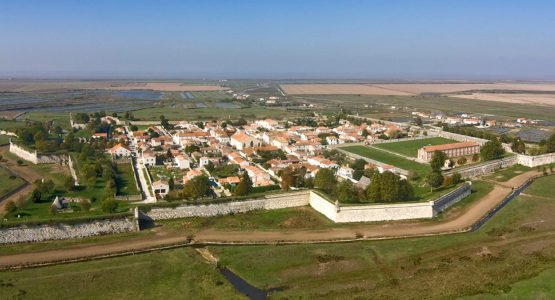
point(451, 150)
point(182, 161)
point(148, 158)
point(161, 187)
point(241, 140)
point(119, 150)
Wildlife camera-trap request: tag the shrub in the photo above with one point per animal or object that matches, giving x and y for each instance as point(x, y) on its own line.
point(53, 210)
point(85, 205)
point(109, 205)
point(461, 161)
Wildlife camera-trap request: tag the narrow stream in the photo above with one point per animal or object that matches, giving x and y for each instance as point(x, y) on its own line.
point(243, 286)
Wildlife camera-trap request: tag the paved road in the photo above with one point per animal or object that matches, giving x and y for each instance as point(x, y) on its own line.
point(454, 223)
point(139, 168)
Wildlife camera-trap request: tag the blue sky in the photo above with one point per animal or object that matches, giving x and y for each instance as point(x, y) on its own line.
point(393, 39)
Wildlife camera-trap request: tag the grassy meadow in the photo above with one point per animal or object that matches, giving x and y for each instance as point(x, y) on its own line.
point(410, 148)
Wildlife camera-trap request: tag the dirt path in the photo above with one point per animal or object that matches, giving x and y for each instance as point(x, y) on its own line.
point(457, 223)
point(27, 174)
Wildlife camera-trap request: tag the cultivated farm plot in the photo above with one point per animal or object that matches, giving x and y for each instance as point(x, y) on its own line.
point(388, 158)
point(338, 89)
point(410, 148)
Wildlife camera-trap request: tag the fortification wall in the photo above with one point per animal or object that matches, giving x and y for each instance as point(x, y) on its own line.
point(41, 233)
point(269, 202)
point(534, 161)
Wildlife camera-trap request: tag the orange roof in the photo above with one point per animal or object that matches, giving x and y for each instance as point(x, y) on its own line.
point(241, 137)
point(450, 146)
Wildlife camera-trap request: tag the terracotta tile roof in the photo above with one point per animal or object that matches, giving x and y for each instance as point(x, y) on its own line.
point(450, 146)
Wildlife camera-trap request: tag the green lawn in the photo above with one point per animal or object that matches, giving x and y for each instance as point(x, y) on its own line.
point(8, 183)
point(543, 187)
point(126, 183)
point(410, 148)
point(506, 174)
point(4, 140)
point(278, 219)
point(173, 274)
point(390, 159)
point(59, 118)
point(11, 125)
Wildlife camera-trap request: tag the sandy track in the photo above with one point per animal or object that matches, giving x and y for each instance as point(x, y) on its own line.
point(25, 173)
point(457, 223)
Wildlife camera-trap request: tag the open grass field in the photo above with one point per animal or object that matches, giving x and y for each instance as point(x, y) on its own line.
point(153, 114)
point(534, 99)
point(59, 118)
point(279, 219)
point(8, 183)
point(443, 103)
point(410, 148)
point(174, 274)
point(10, 125)
point(126, 183)
point(506, 174)
point(511, 257)
point(390, 159)
point(4, 140)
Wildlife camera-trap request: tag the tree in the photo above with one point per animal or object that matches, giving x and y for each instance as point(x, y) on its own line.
point(518, 146)
point(245, 186)
point(325, 180)
point(345, 191)
point(171, 183)
point(492, 150)
point(457, 178)
point(68, 183)
point(550, 144)
point(288, 179)
point(197, 187)
point(36, 196)
point(475, 158)
point(109, 205)
point(461, 161)
point(169, 154)
point(388, 187)
point(434, 179)
point(418, 122)
point(438, 160)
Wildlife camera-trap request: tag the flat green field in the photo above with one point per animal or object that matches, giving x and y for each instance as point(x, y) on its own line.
point(59, 118)
point(511, 257)
point(153, 114)
point(445, 104)
point(174, 274)
point(410, 148)
point(4, 140)
point(508, 173)
point(8, 184)
point(126, 180)
point(390, 159)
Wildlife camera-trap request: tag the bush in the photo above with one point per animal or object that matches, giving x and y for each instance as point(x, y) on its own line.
point(85, 205)
point(53, 210)
point(461, 161)
point(109, 205)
